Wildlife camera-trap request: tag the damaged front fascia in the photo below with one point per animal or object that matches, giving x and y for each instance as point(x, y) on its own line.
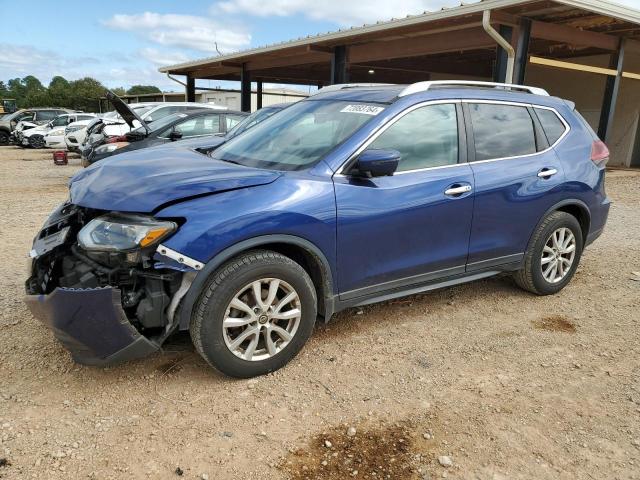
point(91, 324)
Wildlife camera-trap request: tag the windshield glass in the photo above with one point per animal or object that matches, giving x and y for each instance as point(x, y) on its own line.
point(60, 121)
point(300, 138)
point(141, 110)
point(251, 120)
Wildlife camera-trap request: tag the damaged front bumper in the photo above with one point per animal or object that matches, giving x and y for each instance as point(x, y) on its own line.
point(91, 324)
point(104, 307)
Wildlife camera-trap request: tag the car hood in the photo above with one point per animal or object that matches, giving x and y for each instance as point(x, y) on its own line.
point(127, 114)
point(35, 129)
point(144, 180)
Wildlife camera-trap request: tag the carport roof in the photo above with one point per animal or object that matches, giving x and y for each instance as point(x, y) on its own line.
point(600, 16)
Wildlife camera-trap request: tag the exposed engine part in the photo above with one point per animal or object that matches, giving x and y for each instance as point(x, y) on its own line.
point(149, 296)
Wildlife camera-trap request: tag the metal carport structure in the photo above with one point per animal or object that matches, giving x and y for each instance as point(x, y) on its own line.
point(490, 39)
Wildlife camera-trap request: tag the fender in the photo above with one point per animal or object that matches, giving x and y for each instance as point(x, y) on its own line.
point(563, 203)
point(203, 275)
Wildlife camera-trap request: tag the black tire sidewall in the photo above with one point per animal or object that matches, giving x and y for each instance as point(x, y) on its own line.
point(36, 141)
point(213, 309)
point(542, 285)
point(4, 138)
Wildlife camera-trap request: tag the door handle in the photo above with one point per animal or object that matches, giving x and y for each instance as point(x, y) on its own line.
point(453, 191)
point(547, 172)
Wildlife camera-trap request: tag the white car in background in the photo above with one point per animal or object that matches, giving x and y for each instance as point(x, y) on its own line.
point(75, 133)
point(150, 112)
point(35, 137)
point(54, 138)
point(131, 116)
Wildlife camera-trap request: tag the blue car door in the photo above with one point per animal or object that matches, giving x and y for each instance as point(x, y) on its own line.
point(397, 231)
point(518, 177)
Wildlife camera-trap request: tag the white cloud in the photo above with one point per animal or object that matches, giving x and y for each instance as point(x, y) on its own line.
point(185, 31)
point(163, 57)
point(112, 71)
point(341, 12)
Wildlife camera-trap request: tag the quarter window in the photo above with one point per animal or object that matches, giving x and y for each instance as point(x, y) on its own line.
point(551, 124)
point(426, 137)
point(501, 131)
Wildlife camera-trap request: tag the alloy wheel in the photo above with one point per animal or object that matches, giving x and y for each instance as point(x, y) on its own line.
point(37, 141)
point(558, 255)
point(261, 319)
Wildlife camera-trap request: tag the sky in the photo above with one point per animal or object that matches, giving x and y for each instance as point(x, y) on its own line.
point(122, 43)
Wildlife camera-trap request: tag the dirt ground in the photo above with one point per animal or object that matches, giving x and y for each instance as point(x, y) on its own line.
point(480, 381)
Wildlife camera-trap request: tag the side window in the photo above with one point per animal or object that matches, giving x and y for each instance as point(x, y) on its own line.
point(27, 116)
point(202, 125)
point(502, 131)
point(551, 124)
point(426, 137)
point(45, 115)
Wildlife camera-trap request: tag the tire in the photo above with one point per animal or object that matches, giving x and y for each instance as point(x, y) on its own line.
point(533, 277)
point(4, 138)
point(36, 141)
point(213, 338)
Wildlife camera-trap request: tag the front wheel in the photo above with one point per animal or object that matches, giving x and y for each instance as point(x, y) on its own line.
point(37, 141)
point(4, 138)
point(254, 314)
point(553, 255)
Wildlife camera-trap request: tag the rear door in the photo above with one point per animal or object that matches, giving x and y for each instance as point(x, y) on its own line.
point(413, 227)
point(517, 178)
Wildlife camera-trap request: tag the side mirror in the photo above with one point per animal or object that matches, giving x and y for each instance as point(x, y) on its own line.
point(378, 163)
point(175, 135)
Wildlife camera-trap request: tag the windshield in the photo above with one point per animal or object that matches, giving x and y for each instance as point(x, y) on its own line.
point(141, 110)
point(60, 121)
point(299, 139)
point(15, 115)
point(253, 119)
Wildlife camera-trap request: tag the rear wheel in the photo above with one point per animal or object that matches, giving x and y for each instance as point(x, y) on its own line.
point(254, 315)
point(553, 255)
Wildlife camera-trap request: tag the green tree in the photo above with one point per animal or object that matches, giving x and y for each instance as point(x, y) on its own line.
point(119, 91)
point(142, 89)
point(86, 94)
point(59, 92)
point(35, 94)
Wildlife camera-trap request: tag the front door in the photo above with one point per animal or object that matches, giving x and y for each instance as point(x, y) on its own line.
point(412, 227)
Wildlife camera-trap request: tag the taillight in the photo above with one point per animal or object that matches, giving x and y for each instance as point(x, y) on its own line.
point(120, 138)
point(599, 153)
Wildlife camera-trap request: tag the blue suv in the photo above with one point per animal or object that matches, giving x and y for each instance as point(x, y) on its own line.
point(358, 194)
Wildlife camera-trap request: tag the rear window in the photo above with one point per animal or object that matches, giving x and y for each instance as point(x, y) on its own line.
point(551, 124)
point(502, 131)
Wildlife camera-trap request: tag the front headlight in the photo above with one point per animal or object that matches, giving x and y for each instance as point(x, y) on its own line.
point(110, 147)
point(55, 133)
point(115, 232)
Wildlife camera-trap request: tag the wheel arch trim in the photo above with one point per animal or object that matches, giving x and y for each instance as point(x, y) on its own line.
point(570, 202)
point(203, 275)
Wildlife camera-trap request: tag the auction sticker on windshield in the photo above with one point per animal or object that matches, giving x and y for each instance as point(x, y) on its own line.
point(366, 109)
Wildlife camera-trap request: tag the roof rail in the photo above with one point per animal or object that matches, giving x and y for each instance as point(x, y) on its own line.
point(424, 86)
point(341, 86)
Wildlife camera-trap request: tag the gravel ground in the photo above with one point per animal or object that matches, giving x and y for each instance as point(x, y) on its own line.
point(478, 381)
